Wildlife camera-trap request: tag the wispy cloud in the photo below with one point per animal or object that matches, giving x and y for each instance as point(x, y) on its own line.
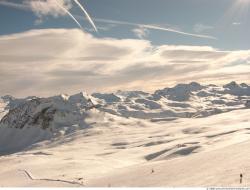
point(67, 65)
point(41, 8)
point(15, 5)
point(198, 28)
point(48, 7)
point(55, 8)
point(141, 32)
point(236, 23)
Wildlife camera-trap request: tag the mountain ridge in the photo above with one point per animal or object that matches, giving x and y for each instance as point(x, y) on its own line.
point(180, 101)
point(71, 137)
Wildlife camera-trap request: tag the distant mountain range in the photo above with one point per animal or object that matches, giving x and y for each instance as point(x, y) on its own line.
point(181, 101)
point(24, 122)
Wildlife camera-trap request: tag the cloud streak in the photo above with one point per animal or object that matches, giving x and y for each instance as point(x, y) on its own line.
point(116, 22)
point(67, 65)
point(53, 8)
point(87, 15)
point(154, 27)
point(15, 5)
point(65, 10)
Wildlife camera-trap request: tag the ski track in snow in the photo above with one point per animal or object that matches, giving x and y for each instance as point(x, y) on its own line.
point(53, 180)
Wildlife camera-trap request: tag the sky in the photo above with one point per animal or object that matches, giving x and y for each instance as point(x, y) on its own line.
point(50, 47)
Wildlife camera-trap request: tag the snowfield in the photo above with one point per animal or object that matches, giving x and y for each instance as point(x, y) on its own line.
point(188, 135)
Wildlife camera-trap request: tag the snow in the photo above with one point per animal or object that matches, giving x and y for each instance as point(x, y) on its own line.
point(14, 140)
point(108, 98)
point(181, 92)
point(194, 152)
point(236, 89)
point(183, 100)
point(3, 106)
point(131, 139)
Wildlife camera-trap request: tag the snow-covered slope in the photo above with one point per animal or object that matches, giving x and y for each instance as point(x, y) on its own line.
point(31, 120)
point(63, 114)
point(116, 151)
point(108, 139)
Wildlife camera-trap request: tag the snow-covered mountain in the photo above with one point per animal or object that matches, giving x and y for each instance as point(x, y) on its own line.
point(108, 139)
point(50, 117)
point(34, 119)
point(46, 112)
point(181, 101)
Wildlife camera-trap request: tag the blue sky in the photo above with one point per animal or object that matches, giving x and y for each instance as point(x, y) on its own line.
point(222, 19)
point(140, 44)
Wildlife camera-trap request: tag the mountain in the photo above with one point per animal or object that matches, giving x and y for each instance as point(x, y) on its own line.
point(181, 101)
point(57, 115)
point(186, 135)
point(47, 112)
point(34, 119)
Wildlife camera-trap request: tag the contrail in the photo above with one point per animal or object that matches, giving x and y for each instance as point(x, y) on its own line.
point(176, 31)
point(147, 26)
point(69, 14)
point(15, 5)
point(86, 13)
point(153, 27)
